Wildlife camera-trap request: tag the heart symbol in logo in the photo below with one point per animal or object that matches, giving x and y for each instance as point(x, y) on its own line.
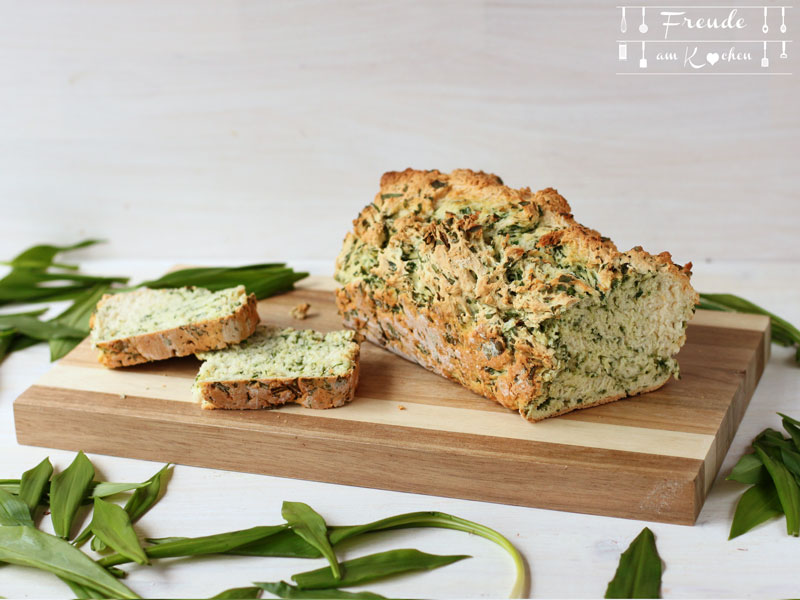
point(712, 58)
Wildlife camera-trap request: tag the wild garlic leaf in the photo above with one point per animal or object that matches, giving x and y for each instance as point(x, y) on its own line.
point(788, 491)
point(749, 469)
point(783, 332)
point(82, 592)
point(210, 544)
point(791, 460)
point(757, 505)
point(33, 484)
point(112, 525)
point(30, 547)
point(374, 567)
point(13, 511)
point(639, 572)
point(443, 521)
point(10, 485)
point(40, 330)
point(285, 544)
point(77, 316)
point(104, 489)
point(310, 526)
point(792, 427)
point(281, 589)
point(41, 256)
point(772, 442)
point(241, 592)
point(146, 495)
point(67, 491)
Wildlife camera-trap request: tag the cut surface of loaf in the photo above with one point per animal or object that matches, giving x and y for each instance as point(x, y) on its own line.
point(504, 292)
point(144, 325)
point(276, 366)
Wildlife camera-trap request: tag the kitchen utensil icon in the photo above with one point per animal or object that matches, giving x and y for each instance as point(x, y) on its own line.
point(643, 60)
point(783, 49)
point(643, 26)
point(783, 19)
point(623, 51)
point(765, 28)
point(765, 60)
point(623, 26)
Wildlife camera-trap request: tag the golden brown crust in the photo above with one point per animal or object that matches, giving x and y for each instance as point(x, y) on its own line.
point(310, 392)
point(212, 334)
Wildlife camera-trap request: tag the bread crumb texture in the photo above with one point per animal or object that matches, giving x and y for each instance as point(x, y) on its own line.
point(300, 311)
point(275, 366)
point(143, 325)
point(504, 292)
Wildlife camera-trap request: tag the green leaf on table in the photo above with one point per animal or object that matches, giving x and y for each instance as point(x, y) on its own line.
point(772, 442)
point(10, 485)
point(240, 592)
point(33, 484)
point(792, 427)
point(104, 489)
point(285, 544)
point(374, 567)
point(749, 469)
point(81, 592)
point(218, 543)
point(440, 520)
point(146, 494)
point(30, 547)
point(13, 511)
point(261, 279)
point(40, 330)
point(757, 505)
point(112, 525)
point(783, 332)
point(67, 491)
point(77, 316)
point(310, 526)
point(281, 589)
point(41, 256)
point(639, 572)
point(791, 460)
point(788, 491)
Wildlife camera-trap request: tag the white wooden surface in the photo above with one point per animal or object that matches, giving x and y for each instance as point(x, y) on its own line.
point(248, 131)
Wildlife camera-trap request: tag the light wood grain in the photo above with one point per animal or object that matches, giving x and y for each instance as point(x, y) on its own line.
point(653, 456)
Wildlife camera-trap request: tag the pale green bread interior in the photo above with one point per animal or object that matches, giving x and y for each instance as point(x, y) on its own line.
point(272, 352)
point(146, 311)
point(612, 346)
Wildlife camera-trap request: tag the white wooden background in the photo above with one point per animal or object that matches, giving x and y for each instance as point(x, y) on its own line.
point(249, 131)
point(211, 128)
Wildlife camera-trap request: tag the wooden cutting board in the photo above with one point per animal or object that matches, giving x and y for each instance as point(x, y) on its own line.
point(652, 457)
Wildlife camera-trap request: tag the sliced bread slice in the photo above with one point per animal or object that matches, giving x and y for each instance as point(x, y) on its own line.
point(276, 366)
point(145, 325)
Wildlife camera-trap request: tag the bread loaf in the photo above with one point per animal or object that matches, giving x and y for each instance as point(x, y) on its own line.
point(504, 292)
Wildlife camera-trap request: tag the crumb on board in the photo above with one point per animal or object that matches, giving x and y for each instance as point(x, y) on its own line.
point(400, 407)
point(123, 396)
point(300, 311)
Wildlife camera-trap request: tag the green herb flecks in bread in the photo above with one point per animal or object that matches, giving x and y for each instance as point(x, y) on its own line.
point(276, 366)
point(145, 325)
point(504, 292)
